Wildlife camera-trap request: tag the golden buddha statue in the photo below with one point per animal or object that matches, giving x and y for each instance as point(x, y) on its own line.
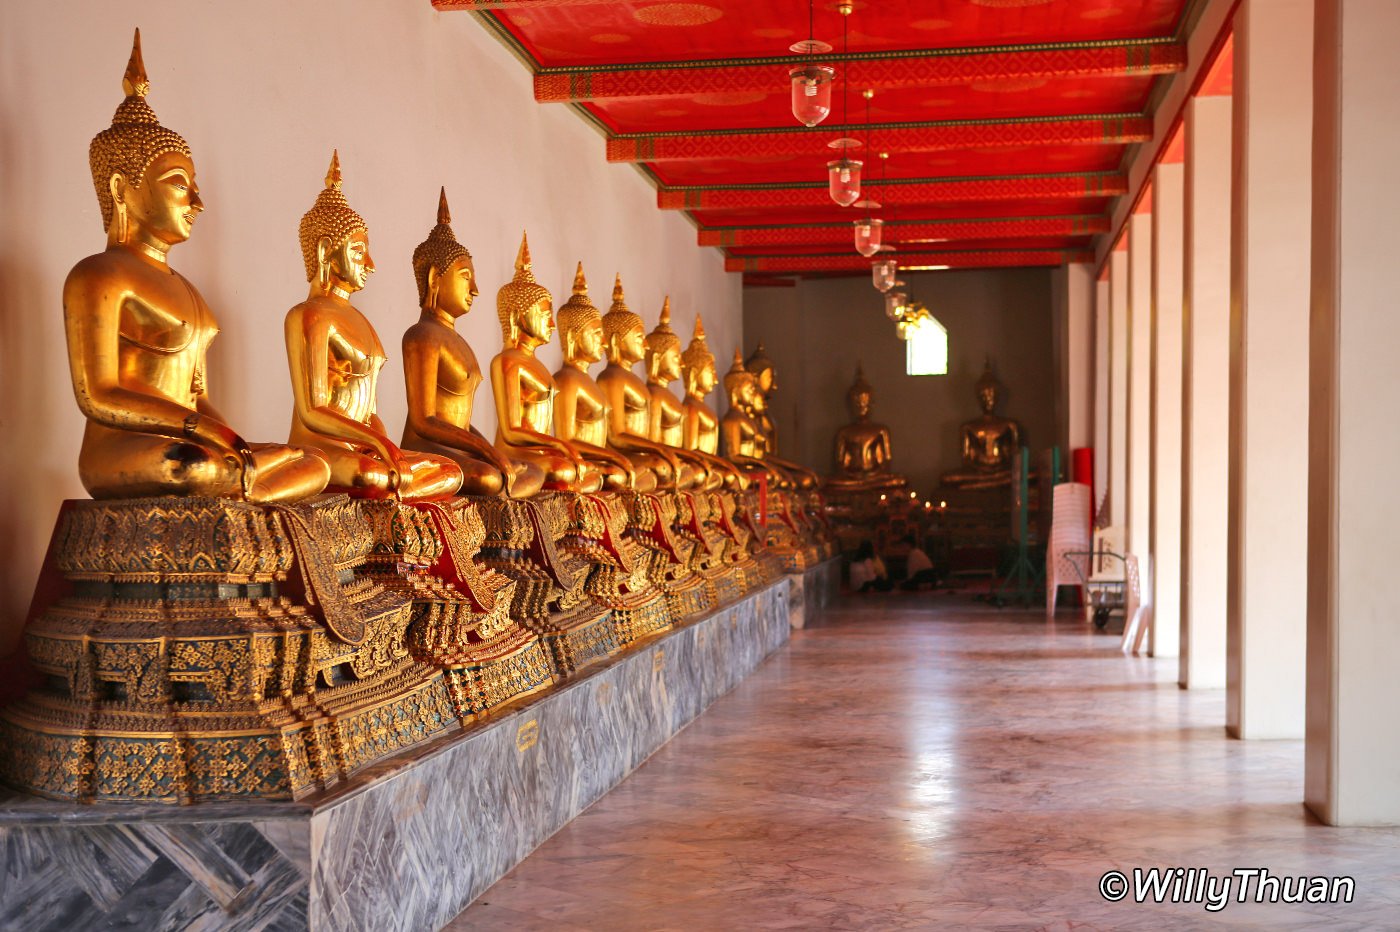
point(580, 407)
point(989, 442)
point(629, 401)
point(663, 366)
point(700, 425)
point(139, 334)
point(335, 356)
point(737, 427)
point(523, 388)
point(442, 374)
point(766, 379)
point(863, 449)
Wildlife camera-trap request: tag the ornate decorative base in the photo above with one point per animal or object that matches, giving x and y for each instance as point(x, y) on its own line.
point(201, 649)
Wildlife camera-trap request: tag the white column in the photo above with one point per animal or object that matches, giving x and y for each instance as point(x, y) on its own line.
point(1140, 396)
point(1168, 203)
point(1101, 366)
point(1205, 453)
point(1079, 349)
point(1353, 690)
point(1118, 388)
point(1270, 257)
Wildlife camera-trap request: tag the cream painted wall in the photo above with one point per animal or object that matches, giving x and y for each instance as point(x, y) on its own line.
point(262, 91)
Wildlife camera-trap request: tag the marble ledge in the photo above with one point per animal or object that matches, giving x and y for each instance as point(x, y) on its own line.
point(410, 842)
point(813, 590)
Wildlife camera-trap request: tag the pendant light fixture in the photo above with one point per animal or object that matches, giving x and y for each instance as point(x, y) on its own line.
point(883, 271)
point(843, 174)
point(811, 83)
point(868, 232)
point(895, 300)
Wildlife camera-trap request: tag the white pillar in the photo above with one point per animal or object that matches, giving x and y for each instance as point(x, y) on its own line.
point(1270, 257)
point(1101, 407)
point(1205, 454)
point(1140, 396)
point(1167, 207)
point(1079, 348)
point(1118, 388)
point(1353, 691)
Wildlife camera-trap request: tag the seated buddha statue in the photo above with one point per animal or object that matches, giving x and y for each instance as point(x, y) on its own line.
point(580, 407)
point(663, 366)
point(989, 442)
point(700, 425)
point(335, 356)
point(863, 453)
point(737, 427)
point(629, 402)
point(523, 388)
point(442, 374)
point(139, 334)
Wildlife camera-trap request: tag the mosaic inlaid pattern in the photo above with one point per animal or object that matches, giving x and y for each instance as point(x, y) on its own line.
point(405, 847)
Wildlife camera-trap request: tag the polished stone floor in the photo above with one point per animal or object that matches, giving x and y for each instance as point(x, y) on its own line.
point(913, 762)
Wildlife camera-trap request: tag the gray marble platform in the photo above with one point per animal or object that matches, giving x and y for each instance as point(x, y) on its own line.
point(813, 590)
point(409, 843)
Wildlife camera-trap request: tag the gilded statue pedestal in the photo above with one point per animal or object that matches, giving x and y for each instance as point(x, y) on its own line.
point(200, 649)
point(620, 577)
point(461, 613)
point(524, 543)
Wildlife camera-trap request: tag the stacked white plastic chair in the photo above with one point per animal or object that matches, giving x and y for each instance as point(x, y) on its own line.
point(1069, 534)
point(1137, 618)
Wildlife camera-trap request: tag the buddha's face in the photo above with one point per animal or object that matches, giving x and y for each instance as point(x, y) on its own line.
point(167, 199)
point(743, 394)
point(756, 399)
point(588, 341)
point(456, 288)
point(350, 262)
point(767, 381)
point(668, 364)
point(987, 395)
point(538, 320)
point(860, 404)
point(632, 344)
point(706, 379)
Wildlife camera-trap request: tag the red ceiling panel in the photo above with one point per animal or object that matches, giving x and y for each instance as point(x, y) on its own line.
point(596, 33)
point(1008, 122)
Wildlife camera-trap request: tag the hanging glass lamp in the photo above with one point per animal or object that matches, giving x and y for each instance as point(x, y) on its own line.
point(844, 180)
point(868, 233)
point(883, 272)
point(811, 93)
point(895, 302)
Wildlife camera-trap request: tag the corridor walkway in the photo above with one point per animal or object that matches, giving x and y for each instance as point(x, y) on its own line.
point(913, 762)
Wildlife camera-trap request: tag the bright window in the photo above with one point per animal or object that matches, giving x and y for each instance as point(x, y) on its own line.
point(926, 350)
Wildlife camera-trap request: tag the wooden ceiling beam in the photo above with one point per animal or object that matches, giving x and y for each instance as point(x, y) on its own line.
point(899, 192)
point(930, 136)
point(854, 262)
point(907, 232)
point(877, 70)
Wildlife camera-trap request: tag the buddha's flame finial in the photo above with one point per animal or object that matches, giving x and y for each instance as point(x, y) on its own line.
point(444, 215)
point(699, 329)
point(522, 260)
point(134, 81)
point(665, 322)
point(618, 296)
point(580, 283)
point(738, 359)
point(333, 173)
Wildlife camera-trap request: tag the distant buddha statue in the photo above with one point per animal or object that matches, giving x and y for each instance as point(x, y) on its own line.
point(700, 426)
point(523, 388)
point(139, 334)
point(989, 442)
point(442, 374)
point(580, 407)
point(663, 366)
point(335, 356)
point(863, 449)
point(766, 382)
point(629, 401)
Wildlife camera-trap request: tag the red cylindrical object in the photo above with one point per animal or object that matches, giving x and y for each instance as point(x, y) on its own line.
point(1082, 462)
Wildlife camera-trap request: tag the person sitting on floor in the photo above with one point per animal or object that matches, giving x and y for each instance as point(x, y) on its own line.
point(868, 571)
point(919, 567)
